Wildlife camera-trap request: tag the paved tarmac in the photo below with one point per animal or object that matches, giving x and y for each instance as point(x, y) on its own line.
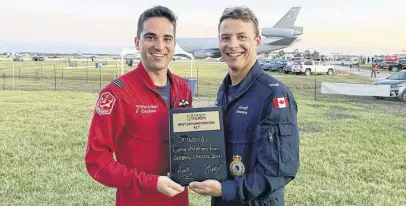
point(363, 72)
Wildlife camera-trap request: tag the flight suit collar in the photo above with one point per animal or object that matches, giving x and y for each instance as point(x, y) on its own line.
point(245, 84)
point(147, 81)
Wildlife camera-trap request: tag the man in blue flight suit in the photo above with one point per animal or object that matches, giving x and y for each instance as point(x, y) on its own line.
point(260, 121)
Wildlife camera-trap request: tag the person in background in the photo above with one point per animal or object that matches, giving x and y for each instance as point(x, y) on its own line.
point(351, 62)
point(359, 64)
point(373, 71)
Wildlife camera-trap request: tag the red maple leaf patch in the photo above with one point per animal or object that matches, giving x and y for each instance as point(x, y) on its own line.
point(281, 102)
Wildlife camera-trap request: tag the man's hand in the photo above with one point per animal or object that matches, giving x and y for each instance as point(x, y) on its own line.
point(168, 187)
point(207, 187)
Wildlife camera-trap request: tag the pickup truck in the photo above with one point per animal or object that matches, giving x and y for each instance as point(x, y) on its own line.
point(315, 67)
point(394, 66)
point(399, 66)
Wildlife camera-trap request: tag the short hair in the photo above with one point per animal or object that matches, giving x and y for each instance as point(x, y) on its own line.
point(241, 13)
point(157, 11)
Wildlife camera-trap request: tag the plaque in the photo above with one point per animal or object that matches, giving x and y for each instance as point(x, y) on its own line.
point(197, 145)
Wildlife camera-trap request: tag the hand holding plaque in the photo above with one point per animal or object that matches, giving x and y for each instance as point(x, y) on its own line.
point(167, 187)
point(196, 144)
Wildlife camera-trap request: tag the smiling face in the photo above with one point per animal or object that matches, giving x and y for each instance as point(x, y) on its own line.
point(238, 44)
point(156, 43)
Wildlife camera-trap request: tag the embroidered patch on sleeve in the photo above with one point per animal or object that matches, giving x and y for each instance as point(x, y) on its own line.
point(105, 103)
point(281, 102)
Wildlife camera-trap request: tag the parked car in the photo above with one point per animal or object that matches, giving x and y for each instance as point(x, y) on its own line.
point(390, 65)
point(315, 67)
point(401, 65)
point(281, 64)
point(379, 62)
point(288, 68)
point(397, 84)
point(273, 65)
point(268, 64)
point(18, 59)
point(352, 61)
point(38, 58)
point(264, 65)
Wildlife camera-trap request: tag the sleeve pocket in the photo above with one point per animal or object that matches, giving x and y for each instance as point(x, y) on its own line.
point(289, 148)
point(286, 129)
point(288, 142)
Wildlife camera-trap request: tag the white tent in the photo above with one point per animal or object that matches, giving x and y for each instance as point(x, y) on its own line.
point(182, 53)
point(133, 51)
point(127, 51)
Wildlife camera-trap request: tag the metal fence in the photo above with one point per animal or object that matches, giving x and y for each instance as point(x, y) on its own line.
point(86, 76)
point(89, 76)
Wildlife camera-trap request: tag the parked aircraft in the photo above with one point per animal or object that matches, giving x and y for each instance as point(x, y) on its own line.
point(283, 34)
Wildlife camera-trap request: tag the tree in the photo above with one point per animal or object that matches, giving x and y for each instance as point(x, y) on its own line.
point(281, 53)
point(316, 55)
point(307, 54)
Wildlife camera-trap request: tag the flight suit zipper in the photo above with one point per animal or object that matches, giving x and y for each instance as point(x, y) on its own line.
point(173, 103)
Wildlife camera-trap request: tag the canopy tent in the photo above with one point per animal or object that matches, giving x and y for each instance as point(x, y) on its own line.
point(181, 53)
point(127, 51)
point(133, 51)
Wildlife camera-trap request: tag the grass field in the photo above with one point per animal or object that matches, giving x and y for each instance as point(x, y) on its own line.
point(352, 149)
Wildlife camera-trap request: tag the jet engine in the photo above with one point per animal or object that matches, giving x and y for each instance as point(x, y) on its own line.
point(280, 32)
point(202, 54)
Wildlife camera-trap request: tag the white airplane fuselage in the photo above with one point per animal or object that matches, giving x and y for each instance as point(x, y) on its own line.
point(191, 45)
point(283, 34)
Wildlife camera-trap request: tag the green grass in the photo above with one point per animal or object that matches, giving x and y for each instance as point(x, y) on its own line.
point(352, 149)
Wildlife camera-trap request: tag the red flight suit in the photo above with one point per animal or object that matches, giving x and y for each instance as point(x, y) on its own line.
point(131, 121)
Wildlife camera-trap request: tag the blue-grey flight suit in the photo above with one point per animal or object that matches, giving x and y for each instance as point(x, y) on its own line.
point(262, 140)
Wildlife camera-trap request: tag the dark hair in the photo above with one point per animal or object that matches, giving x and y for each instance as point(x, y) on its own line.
point(157, 11)
point(241, 13)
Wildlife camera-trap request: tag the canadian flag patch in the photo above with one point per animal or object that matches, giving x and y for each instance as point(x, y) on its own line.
point(281, 102)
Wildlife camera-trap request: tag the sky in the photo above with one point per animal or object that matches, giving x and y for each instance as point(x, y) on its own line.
point(105, 26)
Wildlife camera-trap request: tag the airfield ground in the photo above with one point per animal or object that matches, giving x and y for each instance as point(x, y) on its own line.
point(352, 149)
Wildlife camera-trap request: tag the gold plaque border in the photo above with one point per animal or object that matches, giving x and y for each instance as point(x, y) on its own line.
point(196, 121)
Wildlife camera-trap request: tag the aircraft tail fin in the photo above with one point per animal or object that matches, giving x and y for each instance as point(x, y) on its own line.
point(289, 19)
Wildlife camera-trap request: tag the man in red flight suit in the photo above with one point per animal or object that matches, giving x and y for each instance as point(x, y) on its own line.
point(131, 121)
